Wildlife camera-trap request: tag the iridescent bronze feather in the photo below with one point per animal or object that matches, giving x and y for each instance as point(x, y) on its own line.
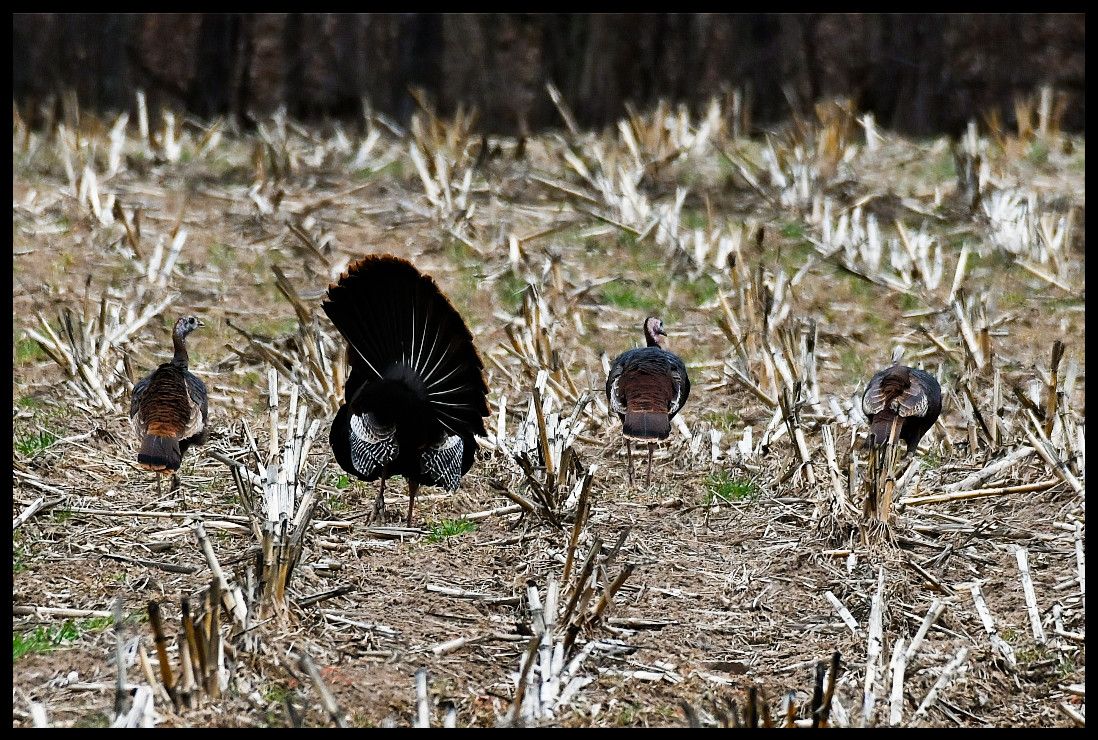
point(907, 397)
point(646, 387)
point(169, 407)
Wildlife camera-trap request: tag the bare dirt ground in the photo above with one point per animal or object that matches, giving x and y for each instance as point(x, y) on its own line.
point(786, 269)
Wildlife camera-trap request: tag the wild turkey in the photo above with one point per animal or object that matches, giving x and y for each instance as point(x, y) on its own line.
point(909, 396)
point(646, 387)
point(169, 409)
point(415, 397)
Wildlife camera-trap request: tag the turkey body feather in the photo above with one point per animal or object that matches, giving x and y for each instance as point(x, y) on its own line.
point(646, 387)
point(415, 398)
point(909, 397)
point(169, 409)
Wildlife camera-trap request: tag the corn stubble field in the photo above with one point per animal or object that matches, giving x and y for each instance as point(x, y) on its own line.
point(776, 572)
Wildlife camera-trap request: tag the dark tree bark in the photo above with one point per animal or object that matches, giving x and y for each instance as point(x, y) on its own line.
point(919, 74)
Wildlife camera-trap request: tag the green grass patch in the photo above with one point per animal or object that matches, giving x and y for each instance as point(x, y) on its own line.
point(1013, 298)
point(20, 550)
point(793, 254)
point(30, 403)
point(725, 420)
point(31, 444)
point(97, 719)
point(1063, 302)
point(628, 240)
point(250, 379)
point(623, 295)
point(393, 170)
point(341, 482)
point(450, 528)
point(27, 350)
point(691, 218)
point(276, 692)
point(1037, 153)
point(221, 256)
point(50, 637)
point(274, 328)
point(793, 230)
point(702, 290)
point(722, 487)
point(626, 716)
point(510, 289)
point(943, 168)
point(932, 460)
point(1067, 667)
point(278, 695)
point(853, 362)
point(860, 288)
point(909, 302)
point(94, 624)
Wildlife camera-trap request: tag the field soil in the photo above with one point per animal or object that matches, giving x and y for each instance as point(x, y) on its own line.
point(750, 559)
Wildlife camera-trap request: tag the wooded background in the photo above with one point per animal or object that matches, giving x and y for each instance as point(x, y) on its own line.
point(919, 74)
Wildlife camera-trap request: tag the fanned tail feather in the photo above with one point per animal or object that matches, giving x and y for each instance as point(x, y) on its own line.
point(881, 427)
point(647, 425)
point(399, 324)
point(159, 453)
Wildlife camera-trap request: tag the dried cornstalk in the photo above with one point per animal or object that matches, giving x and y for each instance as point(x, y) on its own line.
point(937, 607)
point(1080, 563)
point(281, 510)
point(943, 679)
point(897, 666)
point(423, 701)
point(982, 493)
point(1001, 646)
point(970, 344)
point(843, 612)
point(874, 646)
point(1044, 449)
point(327, 698)
point(990, 471)
point(1030, 596)
point(1051, 386)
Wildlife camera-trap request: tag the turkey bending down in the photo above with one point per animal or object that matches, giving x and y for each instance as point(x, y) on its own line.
point(416, 395)
point(907, 396)
point(646, 387)
point(169, 409)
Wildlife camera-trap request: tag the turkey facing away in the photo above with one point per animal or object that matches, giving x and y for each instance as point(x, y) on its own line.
point(646, 387)
point(909, 396)
point(169, 408)
point(415, 397)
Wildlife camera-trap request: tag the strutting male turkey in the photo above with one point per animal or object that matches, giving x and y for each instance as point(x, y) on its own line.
point(905, 395)
point(169, 409)
point(416, 395)
point(646, 387)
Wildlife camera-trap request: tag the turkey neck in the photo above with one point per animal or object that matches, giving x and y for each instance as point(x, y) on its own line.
point(179, 342)
point(652, 339)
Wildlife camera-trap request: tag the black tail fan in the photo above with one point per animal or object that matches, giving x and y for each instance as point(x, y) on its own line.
point(396, 319)
point(159, 453)
point(646, 425)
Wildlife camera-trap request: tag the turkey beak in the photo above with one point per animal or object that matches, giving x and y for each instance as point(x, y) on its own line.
point(661, 332)
point(201, 323)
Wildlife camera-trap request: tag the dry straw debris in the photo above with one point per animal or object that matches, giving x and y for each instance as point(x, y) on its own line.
point(790, 265)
